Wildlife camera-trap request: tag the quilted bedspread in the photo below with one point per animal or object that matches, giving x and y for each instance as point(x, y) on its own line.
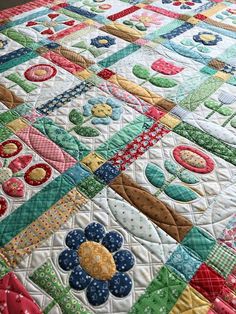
point(117, 157)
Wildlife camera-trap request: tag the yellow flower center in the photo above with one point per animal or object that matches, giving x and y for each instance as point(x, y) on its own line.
point(103, 41)
point(207, 37)
point(1, 44)
point(37, 174)
point(96, 260)
point(49, 24)
point(40, 72)
point(101, 110)
point(145, 19)
point(10, 148)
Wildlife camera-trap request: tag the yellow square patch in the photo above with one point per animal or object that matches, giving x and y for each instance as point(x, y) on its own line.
point(85, 74)
point(192, 302)
point(170, 121)
point(222, 75)
point(193, 21)
point(17, 125)
point(93, 161)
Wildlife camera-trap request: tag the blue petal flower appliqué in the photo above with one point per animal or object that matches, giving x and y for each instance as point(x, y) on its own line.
point(97, 263)
point(120, 285)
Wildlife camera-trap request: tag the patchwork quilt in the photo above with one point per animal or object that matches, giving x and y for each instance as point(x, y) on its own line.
point(117, 157)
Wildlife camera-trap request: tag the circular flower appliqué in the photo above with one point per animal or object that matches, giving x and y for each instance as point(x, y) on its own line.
point(97, 263)
point(103, 109)
point(103, 41)
point(40, 72)
point(207, 38)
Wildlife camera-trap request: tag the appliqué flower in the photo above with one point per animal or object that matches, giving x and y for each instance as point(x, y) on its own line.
point(50, 24)
point(10, 171)
point(104, 110)
point(207, 38)
point(146, 19)
point(97, 263)
point(3, 44)
point(103, 41)
point(40, 72)
point(183, 4)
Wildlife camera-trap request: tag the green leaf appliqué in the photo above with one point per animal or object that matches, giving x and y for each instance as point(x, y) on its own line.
point(180, 193)
point(141, 72)
point(171, 167)
point(225, 111)
point(86, 131)
point(76, 117)
point(162, 82)
point(187, 177)
point(212, 104)
point(155, 175)
point(187, 42)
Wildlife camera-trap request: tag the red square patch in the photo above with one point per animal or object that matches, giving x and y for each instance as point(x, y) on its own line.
point(208, 282)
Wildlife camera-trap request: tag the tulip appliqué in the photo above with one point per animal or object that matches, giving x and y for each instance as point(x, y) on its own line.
point(159, 66)
point(189, 160)
point(202, 41)
point(220, 106)
point(11, 171)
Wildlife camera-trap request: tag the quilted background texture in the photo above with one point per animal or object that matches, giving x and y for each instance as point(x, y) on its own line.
point(117, 157)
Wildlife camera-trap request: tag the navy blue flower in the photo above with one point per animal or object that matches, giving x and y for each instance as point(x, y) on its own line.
point(207, 38)
point(103, 41)
point(97, 263)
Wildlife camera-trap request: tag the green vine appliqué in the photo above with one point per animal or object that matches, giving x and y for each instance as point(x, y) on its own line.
point(221, 107)
point(78, 120)
point(178, 192)
point(160, 66)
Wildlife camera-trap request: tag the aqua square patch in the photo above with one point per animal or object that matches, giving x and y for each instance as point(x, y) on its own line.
point(200, 242)
point(184, 263)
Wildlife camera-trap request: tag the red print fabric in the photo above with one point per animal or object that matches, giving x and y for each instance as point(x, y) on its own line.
point(207, 282)
point(14, 298)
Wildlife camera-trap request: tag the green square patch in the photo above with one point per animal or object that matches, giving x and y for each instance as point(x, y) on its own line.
point(200, 242)
point(161, 294)
point(4, 133)
point(222, 259)
point(90, 187)
point(8, 116)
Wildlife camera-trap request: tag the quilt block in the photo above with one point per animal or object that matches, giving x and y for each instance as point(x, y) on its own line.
point(117, 157)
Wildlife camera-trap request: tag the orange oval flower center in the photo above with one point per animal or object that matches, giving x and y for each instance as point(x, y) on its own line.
point(96, 260)
point(37, 174)
point(40, 72)
point(192, 159)
point(10, 148)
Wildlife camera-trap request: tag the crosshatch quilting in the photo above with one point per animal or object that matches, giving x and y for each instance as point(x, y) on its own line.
point(117, 157)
